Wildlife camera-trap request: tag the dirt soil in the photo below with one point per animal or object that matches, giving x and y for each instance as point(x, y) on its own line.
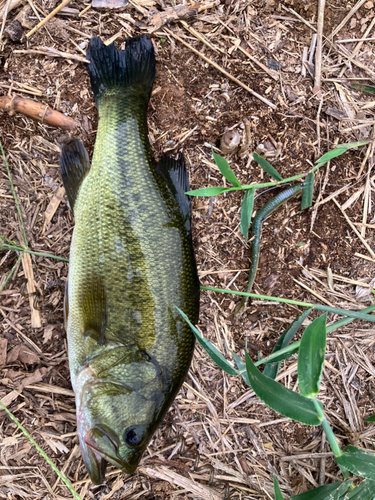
point(325, 254)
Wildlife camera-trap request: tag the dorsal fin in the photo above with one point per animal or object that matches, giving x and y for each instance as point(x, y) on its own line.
point(176, 177)
point(74, 165)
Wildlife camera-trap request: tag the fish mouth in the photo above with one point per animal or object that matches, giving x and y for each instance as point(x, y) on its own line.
point(102, 447)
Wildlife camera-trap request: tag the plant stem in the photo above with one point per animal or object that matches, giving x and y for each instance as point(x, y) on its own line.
point(15, 247)
point(318, 307)
point(327, 429)
point(330, 436)
point(48, 460)
point(345, 321)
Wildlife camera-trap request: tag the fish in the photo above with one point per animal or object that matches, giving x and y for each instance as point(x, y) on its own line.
point(131, 264)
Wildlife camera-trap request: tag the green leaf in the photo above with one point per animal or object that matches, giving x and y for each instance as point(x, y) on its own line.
point(242, 367)
point(330, 155)
point(278, 495)
point(246, 211)
point(370, 419)
point(225, 169)
point(308, 189)
point(359, 462)
point(311, 357)
point(338, 494)
point(210, 349)
point(267, 167)
point(272, 368)
point(321, 493)
point(351, 145)
point(286, 402)
point(365, 491)
point(209, 191)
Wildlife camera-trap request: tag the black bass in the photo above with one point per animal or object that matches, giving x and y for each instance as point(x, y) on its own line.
point(131, 263)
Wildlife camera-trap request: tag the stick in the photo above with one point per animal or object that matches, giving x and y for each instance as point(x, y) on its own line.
point(346, 19)
point(364, 242)
point(222, 70)
point(317, 90)
point(39, 112)
point(46, 19)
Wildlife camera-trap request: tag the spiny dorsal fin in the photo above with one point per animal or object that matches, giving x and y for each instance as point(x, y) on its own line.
point(176, 177)
point(74, 165)
point(93, 304)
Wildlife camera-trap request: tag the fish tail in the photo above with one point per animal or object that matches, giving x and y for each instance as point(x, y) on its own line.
point(128, 71)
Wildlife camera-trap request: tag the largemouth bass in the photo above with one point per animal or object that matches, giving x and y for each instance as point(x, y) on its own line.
point(131, 263)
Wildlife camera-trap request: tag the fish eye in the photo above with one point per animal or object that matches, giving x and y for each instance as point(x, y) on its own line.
point(134, 436)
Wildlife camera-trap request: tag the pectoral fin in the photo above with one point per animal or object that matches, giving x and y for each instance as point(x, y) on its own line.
point(74, 165)
point(94, 309)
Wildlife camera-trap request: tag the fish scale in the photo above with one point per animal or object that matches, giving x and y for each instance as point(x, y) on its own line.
point(131, 263)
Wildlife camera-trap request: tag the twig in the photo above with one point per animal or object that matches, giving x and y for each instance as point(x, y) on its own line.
point(270, 72)
point(47, 18)
point(357, 48)
point(222, 70)
point(8, 7)
point(368, 248)
point(318, 55)
point(39, 112)
point(50, 52)
point(4, 18)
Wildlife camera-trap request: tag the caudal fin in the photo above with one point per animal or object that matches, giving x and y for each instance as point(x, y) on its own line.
point(115, 71)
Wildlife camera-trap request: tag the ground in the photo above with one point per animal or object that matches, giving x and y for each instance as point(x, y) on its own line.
point(324, 255)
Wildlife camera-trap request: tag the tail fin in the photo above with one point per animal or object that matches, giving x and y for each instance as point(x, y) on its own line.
point(115, 71)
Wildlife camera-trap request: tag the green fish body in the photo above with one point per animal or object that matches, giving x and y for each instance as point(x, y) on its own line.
point(131, 263)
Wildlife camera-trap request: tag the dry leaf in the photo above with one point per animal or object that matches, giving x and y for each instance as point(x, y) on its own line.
point(23, 354)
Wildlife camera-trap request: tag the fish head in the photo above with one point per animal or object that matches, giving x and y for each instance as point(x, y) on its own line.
point(114, 425)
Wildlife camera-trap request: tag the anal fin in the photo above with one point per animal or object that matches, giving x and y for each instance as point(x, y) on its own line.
point(176, 177)
point(74, 165)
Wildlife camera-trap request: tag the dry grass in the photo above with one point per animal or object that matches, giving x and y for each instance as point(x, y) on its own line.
point(265, 47)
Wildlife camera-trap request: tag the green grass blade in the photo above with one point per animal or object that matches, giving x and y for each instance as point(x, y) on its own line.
point(351, 145)
point(208, 191)
point(286, 402)
point(14, 194)
point(11, 273)
point(323, 492)
point(63, 478)
point(370, 419)
point(364, 88)
point(359, 462)
point(278, 494)
point(307, 194)
point(311, 357)
point(318, 307)
point(271, 369)
point(225, 169)
point(210, 349)
point(267, 167)
point(246, 211)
